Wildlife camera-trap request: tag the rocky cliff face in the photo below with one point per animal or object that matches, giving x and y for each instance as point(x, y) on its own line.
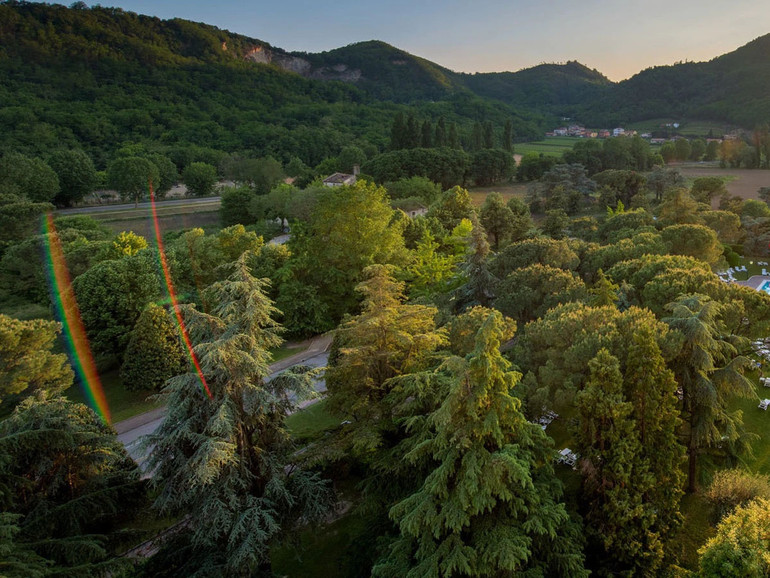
point(265, 55)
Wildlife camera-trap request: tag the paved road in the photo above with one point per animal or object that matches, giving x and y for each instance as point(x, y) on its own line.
point(206, 203)
point(131, 430)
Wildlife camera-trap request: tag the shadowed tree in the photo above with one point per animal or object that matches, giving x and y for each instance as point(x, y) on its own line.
point(710, 372)
point(490, 506)
point(224, 459)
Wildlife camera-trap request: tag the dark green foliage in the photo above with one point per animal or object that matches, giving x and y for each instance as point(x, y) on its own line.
point(624, 224)
point(67, 480)
point(532, 166)
point(303, 311)
point(556, 223)
point(30, 178)
point(26, 361)
point(76, 173)
point(427, 190)
point(490, 505)
point(111, 295)
point(709, 370)
point(234, 208)
point(261, 175)
point(625, 183)
point(199, 179)
point(453, 206)
point(19, 218)
point(490, 166)
point(479, 284)
point(446, 166)
point(696, 241)
point(499, 221)
point(132, 177)
point(155, 352)
point(632, 482)
point(533, 251)
point(222, 456)
point(528, 293)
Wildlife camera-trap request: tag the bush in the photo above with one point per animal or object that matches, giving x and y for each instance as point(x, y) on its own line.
point(731, 488)
point(154, 353)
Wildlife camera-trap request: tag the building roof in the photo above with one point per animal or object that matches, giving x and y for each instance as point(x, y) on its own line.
point(339, 178)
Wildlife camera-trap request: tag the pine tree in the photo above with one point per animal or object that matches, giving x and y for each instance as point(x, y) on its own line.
point(650, 387)
point(155, 352)
point(26, 359)
point(440, 138)
point(477, 137)
point(426, 135)
point(412, 137)
point(508, 136)
point(65, 481)
point(223, 459)
point(491, 500)
point(488, 135)
point(398, 133)
point(498, 220)
point(389, 338)
point(615, 473)
point(453, 140)
point(604, 292)
point(710, 372)
point(477, 290)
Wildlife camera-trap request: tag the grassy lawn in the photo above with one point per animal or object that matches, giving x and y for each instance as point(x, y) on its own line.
point(507, 190)
point(321, 553)
point(123, 404)
point(310, 423)
point(286, 350)
point(757, 422)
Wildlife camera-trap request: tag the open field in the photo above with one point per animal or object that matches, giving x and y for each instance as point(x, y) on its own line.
point(691, 128)
point(508, 190)
point(552, 146)
point(178, 214)
point(741, 182)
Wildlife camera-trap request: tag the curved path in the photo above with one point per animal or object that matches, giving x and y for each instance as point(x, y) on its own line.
point(131, 430)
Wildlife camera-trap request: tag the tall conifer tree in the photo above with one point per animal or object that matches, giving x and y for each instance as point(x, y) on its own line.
point(491, 503)
point(223, 459)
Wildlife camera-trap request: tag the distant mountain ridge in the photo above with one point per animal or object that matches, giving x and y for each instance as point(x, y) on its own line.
point(96, 75)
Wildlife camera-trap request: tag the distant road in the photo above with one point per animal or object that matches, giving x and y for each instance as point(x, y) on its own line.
point(206, 203)
point(130, 431)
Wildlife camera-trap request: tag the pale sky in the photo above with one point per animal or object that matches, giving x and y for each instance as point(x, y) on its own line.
point(619, 38)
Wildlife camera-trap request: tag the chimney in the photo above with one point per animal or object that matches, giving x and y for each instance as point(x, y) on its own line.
point(356, 170)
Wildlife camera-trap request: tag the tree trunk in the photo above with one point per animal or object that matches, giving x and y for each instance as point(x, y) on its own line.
point(692, 454)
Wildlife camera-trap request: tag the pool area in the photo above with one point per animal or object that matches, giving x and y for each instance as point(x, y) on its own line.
point(764, 287)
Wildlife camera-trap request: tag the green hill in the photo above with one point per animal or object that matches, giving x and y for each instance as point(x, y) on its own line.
point(385, 72)
point(549, 88)
point(101, 77)
point(733, 88)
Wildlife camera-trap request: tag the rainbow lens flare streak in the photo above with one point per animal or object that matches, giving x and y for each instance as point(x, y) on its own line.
point(67, 312)
point(173, 298)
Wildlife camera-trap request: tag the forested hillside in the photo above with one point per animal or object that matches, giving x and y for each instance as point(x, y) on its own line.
point(733, 88)
point(554, 88)
point(98, 78)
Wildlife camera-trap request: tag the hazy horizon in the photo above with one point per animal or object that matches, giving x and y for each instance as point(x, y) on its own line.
point(619, 39)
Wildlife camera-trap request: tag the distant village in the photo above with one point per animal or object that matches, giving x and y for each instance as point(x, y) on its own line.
point(576, 130)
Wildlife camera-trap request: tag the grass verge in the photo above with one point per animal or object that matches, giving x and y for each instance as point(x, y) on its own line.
point(123, 403)
point(311, 423)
